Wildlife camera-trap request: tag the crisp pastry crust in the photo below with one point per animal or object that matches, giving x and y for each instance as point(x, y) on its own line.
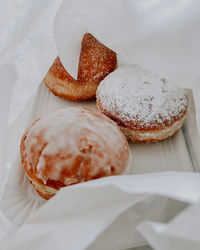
point(44, 191)
point(156, 135)
point(137, 133)
point(61, 84)
point(145, 107)
point(72, 146)
point(96, 62)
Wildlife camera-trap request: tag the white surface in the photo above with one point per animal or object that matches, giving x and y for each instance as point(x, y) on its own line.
point(165, 40)
point(181, 236)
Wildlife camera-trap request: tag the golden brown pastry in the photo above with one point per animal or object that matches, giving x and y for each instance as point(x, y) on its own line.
point(96, 62)
point(70, 146)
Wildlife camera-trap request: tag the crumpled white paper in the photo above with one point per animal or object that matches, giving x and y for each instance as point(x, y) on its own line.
point(27, 49)
point(87, 209)
point(180, 233)
point(161, 36)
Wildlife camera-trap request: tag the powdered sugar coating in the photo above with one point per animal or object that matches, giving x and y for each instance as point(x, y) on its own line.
point(96, 60)
point(133, 94)
point(74, 145)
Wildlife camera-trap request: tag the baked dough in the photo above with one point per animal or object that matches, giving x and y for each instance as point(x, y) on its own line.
point(96, 62)
point(71, 146)
point(145, 106)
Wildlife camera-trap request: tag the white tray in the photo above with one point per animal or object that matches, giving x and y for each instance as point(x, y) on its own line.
point(178, 153)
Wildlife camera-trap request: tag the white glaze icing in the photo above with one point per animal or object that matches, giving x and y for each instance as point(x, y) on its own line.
point(73, 132)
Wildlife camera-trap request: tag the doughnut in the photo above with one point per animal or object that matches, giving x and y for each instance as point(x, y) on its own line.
point(145, 106)
point(96, 62)
point(71, 146)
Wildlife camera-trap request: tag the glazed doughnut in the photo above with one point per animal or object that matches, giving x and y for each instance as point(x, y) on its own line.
point(71, 146)
point(145, 106)
point(96, 62)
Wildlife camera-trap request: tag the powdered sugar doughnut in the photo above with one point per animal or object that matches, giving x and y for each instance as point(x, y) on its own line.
point(144, 105)
point(70, 146)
